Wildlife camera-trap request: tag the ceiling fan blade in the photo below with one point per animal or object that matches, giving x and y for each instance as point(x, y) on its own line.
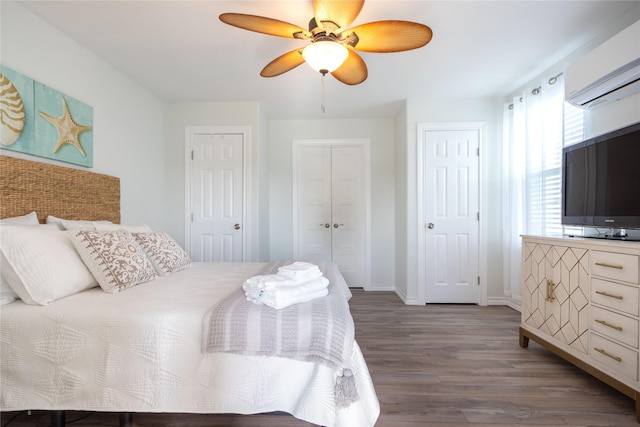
point(353, 71)
point(340, 12)
point(283, 63)
point(263, 25)
point(391, 36)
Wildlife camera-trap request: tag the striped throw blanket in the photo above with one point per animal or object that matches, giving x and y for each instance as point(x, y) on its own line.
point(320, 330)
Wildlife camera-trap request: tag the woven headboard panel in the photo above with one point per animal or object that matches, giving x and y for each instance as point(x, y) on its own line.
point(27, 186)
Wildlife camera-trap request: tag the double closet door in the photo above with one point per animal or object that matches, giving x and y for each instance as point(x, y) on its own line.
point(331, 206)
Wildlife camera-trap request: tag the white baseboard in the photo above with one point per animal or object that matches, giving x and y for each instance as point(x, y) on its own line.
point(382, 288)
point(414, 301)
point(505, 301)
point(405, 299)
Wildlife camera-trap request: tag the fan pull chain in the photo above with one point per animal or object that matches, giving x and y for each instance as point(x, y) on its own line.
point(323, 90)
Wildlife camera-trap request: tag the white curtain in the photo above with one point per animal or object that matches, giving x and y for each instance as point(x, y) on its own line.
point(532, 160)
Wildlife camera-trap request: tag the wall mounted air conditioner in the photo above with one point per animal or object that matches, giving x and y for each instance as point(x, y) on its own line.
point(608, 73)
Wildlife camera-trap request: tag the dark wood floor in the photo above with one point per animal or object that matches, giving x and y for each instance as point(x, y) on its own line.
point(439, 365)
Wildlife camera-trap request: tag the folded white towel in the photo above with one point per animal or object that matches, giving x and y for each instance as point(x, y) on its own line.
point(300, 271)
point(282, 302)
point(267, 281)
point(281, 297)
point(297, 290)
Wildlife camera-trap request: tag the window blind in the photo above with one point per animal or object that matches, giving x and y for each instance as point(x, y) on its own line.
point(573, 133)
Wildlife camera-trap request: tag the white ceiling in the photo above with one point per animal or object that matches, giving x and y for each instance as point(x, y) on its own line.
point(180, 50)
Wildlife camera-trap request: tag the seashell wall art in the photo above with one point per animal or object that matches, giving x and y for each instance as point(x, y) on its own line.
point(38, 120)
point(12, 115)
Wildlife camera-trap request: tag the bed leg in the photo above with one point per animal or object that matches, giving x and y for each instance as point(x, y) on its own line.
point(126, 419)
point(57, 419)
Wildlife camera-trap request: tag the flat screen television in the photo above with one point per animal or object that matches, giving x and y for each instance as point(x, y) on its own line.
point(601, 182)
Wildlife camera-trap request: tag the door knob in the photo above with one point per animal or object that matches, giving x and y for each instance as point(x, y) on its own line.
point(236, 226)
point(327, 225)
point(430, 225)
point(336, 225)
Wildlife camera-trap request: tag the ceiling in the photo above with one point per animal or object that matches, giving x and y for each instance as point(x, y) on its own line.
point(181, 51)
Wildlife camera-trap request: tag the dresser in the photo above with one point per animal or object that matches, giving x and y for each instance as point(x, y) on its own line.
point(581, 300)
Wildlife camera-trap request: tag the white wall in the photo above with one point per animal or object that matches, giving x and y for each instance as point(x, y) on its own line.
point(264, 238)
point(612, 116)
point(178, 116)
point(128, 133)
point(381, 134)
point(401, 187)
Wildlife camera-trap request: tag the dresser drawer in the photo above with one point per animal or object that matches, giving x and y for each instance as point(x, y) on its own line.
point(615, 295)
point(614, 266)
point(614, 356)
point(615, 326)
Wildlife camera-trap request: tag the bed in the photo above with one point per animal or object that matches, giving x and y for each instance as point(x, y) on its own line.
point(143, 349)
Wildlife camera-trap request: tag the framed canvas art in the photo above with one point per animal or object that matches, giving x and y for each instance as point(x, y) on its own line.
point(41, 121)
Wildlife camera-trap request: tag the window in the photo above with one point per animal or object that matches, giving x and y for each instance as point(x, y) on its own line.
point(573, 133)
point(537, 124)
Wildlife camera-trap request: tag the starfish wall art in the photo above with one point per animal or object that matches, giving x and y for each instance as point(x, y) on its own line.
point(54, 125)
point(68, 129)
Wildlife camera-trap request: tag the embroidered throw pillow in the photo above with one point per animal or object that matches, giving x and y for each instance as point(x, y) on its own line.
point(114, 258)
point(164, 252)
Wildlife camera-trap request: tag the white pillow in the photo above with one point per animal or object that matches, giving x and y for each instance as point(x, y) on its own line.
point(41, 265)
point(142, 228)
point(72, 224)
point(7, 295)
point(164, 253)
point(28, 219)
point(114, 258)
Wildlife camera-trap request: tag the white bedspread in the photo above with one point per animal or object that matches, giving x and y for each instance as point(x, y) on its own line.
point(140, 351)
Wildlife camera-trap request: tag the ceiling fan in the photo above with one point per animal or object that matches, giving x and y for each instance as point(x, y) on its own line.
point(332, 41)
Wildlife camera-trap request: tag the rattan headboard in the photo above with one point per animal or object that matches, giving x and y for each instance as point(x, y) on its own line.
point(27, 186)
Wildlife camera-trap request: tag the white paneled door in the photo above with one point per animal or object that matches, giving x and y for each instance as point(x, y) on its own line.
point(330, 207)
point(216, 227)
point(451, 215)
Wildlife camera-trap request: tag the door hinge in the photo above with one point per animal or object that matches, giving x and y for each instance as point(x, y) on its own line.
point(478, 216)
point(191, 154)
point(478, 280)
point(478, 151)
point(191, 216)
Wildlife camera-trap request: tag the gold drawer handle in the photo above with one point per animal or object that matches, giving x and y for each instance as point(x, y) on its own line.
point(606, 294)
point(604, 264)
point(550, 286)
point(605, 323)
point(616, 358)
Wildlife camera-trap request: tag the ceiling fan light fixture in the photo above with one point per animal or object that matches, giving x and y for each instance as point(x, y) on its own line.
point(325, 56)
point(334, 44)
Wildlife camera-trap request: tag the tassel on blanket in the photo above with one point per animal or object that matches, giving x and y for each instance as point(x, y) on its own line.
point(345, 389)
